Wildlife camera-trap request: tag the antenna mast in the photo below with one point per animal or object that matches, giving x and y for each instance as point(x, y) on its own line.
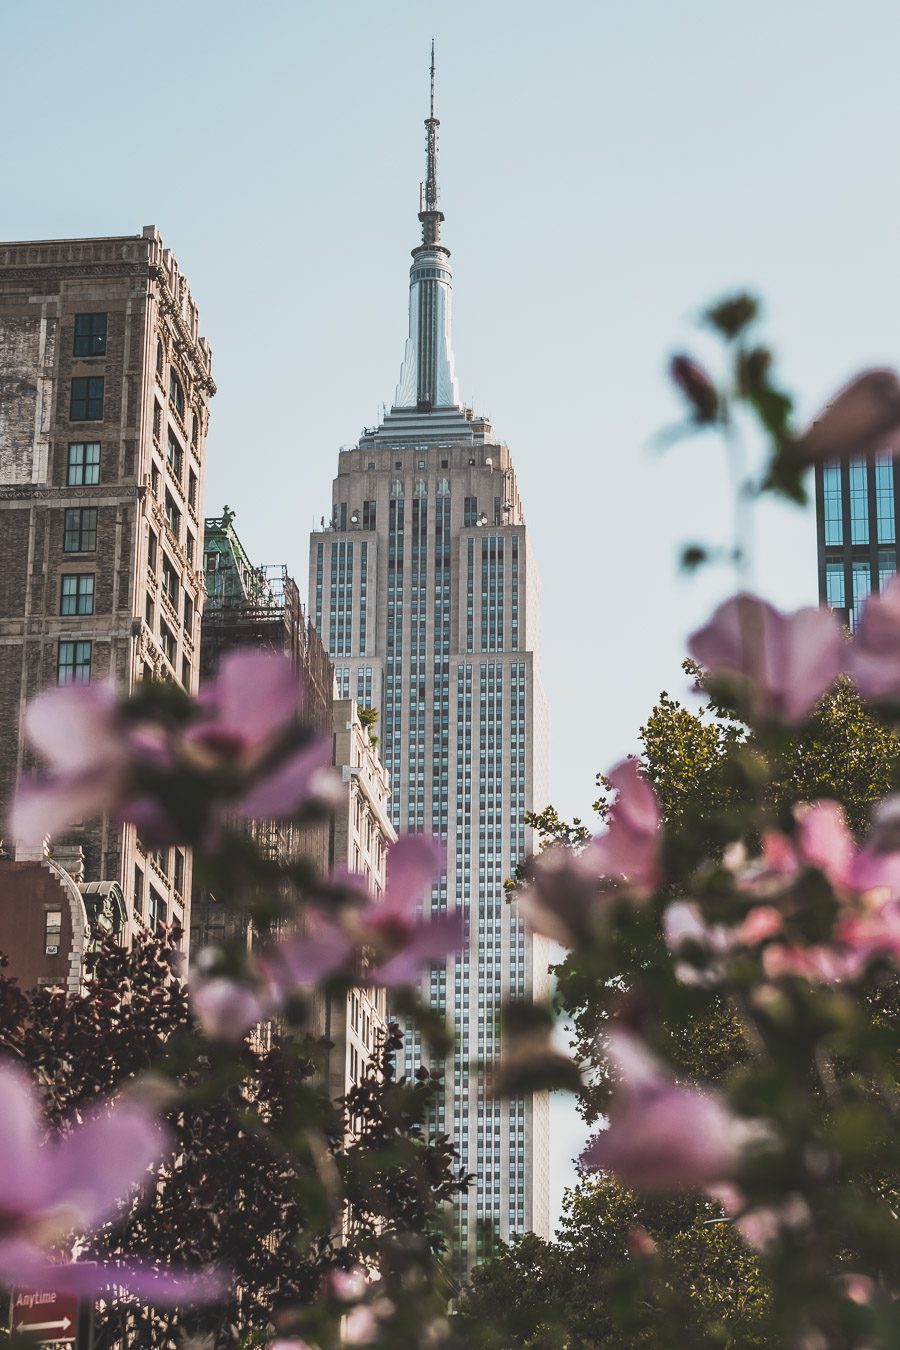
point(431, 125)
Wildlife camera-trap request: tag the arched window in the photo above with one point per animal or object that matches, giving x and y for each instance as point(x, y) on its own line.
point(176, 394)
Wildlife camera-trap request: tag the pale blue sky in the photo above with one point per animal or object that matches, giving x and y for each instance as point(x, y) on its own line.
point(605, 170)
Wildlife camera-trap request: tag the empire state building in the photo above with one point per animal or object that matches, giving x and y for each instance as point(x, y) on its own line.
point(424, 590)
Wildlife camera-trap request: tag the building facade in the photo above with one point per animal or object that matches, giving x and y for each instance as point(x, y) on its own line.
point(361, 834)
point(105, 385)
point(856, 513)
point(424, 589)
point(259, 606)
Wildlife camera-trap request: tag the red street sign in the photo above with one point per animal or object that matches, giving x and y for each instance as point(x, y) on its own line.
point(51, 1319)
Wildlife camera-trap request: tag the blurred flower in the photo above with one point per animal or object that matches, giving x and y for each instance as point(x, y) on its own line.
point(77, 731)
point(73, 1184)
point(662, 1135)
point(390, 934)
point(862, 417)
point(564, 887)
point(784, 662)
point(630, 848)
point(225, 1009)
point(874, 653)
point(348, 1285)
point(240, 751)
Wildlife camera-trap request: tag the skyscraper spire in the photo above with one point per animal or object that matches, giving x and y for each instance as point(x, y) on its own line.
point(429, 214)
point(427, 376)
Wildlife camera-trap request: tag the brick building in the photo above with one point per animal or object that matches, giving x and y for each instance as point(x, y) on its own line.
point(105, 384)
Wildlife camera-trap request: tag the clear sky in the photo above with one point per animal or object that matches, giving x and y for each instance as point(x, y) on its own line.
point(605, 169)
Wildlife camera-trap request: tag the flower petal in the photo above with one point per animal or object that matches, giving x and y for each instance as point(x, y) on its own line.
point(298, 960)
point(225, 1009)
point(24, 1265)
point(255, 694)
point(75, 727)
point(862, 417)
point(291, 786)
point(429, 941)
point(413, 863)
point(51, 805)
point(789, 660)
point(22, 1182)
point(95, 1165)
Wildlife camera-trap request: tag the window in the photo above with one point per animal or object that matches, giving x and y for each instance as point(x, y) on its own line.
point(154, 480)
point(84, 464)
point(176, 394)
point(151, 551)
point(190, 546)
point(833, 508)
point(167, 642)
point(80, 535)
point(157, 910)
point(859, 502)
point(887, 566)
point(178, 875)
point(77, 595)
point(195, 429)
point(159, 358)
point(73, 664)
point(90, 335)
point(192, 490)
point(188, 614)
point(173, 516)
point(368, 516)
point(138, 898)
point(470, 511)
point(52, 931)
point(149, 612)
point(169, 580)
point(884, 498)
point(157, 421)
point(86, 404)
point(186, 673)
point(175, 454)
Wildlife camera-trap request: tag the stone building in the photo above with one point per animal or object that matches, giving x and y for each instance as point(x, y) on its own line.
point(105, 385)
point(424, 588)
point(361, 835)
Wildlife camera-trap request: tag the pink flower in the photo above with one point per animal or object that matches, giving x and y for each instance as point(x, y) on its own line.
point(630, 848)
point(247, 716)
point(241, 751)
point(73, 1184)
point(76, 730)
point(874, 662)
point(565, 886)
point(225, 1009)
point(390, 934)
point(662, 1135)
point(862, 417)
point(784, 662)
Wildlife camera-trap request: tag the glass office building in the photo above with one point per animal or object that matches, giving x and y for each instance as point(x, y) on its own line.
point(856, 514)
